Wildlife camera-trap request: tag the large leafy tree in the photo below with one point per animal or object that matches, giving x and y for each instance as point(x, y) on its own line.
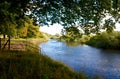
point(11, 15)
point(65, 12)
point(72, 33)
point(6, 19)
point(74, 12)
point(28, 29)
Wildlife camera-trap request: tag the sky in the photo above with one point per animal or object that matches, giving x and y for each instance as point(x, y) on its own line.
point(56, 28)
point(117, 27)
point(52, 29)
point(117, 24)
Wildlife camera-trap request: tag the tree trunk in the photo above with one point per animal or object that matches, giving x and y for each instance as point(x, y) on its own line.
point(0, 44)
point(4, 36)
point(9, 42)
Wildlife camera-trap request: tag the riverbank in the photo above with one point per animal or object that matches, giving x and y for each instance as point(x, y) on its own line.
point(83, 58)
point(32, 65)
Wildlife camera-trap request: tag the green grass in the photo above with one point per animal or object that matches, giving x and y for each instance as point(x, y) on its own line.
point(30, 65)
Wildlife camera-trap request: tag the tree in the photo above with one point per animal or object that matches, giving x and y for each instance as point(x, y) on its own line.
point(7, 24)
point(28, 29)
point(65, 12)
point(71, 12)
point(109, 25)
point(72, 33)
point(33, 31)
point(11, 15)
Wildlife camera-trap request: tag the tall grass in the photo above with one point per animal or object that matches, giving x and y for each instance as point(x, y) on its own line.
point(32, 65)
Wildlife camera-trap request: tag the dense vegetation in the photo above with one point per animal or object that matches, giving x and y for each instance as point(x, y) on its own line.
point(28, 30)
point(70, 34)
point(73, 35)
point(106, 40)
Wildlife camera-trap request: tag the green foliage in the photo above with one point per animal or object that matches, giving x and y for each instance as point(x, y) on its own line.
point(109, 25)
point(64, 12)
point(106, 40)
point(72, 12)
point(28, 29)
point(22, 32)
point(84, 39)
point(11, 16)
point(7, 24)
point(56, 36)
point(71, 34)
point(33, 31)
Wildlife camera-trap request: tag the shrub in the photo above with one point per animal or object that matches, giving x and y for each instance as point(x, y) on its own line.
point(106, 40)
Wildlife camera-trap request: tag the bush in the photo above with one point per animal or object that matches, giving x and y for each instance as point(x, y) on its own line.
point(106, 40)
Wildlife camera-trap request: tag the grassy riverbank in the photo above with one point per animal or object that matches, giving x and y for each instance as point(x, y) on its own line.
point(32, 65)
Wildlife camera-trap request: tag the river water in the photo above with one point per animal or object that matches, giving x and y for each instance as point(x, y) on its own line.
point(83, 58)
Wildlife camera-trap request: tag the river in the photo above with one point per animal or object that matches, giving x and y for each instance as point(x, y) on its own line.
point(83, 58)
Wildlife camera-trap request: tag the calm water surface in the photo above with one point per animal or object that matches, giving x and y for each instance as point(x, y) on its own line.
point(84, 58)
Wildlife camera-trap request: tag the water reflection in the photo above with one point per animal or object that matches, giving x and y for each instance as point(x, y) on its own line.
point(83, 58)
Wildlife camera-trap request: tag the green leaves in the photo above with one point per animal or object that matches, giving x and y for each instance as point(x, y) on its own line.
point(109, 25)
point(11, 16)
point(71, 12)
point(64, 12)
point(72, 33)
point(106, 40)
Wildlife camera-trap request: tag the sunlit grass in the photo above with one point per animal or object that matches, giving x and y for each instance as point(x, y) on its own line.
point(29, 44)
